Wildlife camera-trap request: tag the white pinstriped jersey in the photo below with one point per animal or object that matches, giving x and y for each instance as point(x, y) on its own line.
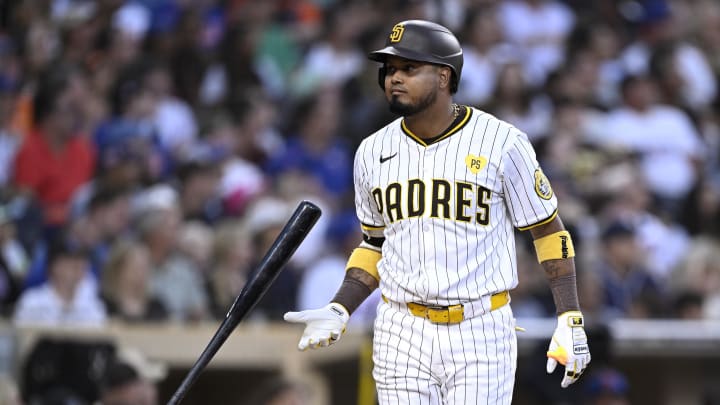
point(447, 209)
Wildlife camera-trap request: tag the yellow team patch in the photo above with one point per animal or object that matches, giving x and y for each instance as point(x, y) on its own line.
point(397, 33)
point(475, 163)
point(542, 185)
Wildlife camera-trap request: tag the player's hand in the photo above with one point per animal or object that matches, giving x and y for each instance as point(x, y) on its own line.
point(324, 326)
point(569, 347)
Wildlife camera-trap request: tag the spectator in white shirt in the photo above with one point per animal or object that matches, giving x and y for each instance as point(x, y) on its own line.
point(483, 53)
point(540, 28)
point(656, 28)
point(337, 49)
point(65, 298)
point(668, 145)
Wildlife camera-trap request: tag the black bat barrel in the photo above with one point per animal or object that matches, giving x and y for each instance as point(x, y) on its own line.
point(287, 242)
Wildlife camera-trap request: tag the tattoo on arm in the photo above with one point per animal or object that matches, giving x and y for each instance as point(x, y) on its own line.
point(561, 275)
point(559, 272)
point(558, 268)
point(356, 287)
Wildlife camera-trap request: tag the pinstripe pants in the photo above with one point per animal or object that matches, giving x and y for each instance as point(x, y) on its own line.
point(418, 362)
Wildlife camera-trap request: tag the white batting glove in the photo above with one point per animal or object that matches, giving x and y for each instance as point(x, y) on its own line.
point(324, 326)
point(569, 347)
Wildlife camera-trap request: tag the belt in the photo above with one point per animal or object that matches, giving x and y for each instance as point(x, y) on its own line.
point(453, 313)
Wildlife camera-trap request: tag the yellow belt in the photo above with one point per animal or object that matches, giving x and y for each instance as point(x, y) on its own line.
point(451, 313)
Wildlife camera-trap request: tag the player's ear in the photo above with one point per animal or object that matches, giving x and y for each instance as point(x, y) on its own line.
point(445, 75)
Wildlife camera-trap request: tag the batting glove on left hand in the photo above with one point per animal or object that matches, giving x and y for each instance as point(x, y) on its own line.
point(324, 326)
point(569, 347)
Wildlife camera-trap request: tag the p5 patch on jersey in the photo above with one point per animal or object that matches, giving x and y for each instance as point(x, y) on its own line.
point(475, 163)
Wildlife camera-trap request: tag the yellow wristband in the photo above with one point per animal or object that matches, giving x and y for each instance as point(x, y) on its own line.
point(557, 245)
point(365, 259)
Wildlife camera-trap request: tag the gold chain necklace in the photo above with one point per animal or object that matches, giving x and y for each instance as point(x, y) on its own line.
point(456, 110)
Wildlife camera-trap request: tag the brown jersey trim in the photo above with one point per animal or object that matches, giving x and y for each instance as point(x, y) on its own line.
point(456, 125)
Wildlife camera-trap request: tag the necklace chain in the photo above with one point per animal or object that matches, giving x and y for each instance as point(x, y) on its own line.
point(456, 110)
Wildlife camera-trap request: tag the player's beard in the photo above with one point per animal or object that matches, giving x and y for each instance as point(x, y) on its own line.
point(406, 110)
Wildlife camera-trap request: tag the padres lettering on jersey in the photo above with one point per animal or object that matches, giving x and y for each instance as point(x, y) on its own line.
point(447, 209)
point(458, 201)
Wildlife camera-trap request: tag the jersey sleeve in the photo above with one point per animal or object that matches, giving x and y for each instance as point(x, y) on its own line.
point(371, 220)
point(528, 194)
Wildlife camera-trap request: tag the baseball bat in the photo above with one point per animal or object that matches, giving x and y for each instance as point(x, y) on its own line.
point(291, 236)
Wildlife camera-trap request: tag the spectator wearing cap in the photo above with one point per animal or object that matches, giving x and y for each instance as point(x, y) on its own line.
point(657, 32)
point(130, 134)
point(63, 299)
point(199, 190)
point(123, 384)
point(653, 26)
point(130, 24)
point(109, 217)
point(55, 159)
point(628, 289)
point(175, 280)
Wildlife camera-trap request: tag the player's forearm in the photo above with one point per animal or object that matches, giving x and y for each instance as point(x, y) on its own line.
point(561, 275)
point(560, 271)
point(355, 288)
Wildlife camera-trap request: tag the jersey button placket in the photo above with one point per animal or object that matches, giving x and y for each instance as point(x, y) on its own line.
point(426, 246)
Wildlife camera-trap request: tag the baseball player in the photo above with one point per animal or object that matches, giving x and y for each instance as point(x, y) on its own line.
point(439, 192)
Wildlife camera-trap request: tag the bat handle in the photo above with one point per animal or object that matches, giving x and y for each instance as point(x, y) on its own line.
point(178, 396)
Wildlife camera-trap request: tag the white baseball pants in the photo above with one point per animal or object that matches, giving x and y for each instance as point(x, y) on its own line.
point(418, 362)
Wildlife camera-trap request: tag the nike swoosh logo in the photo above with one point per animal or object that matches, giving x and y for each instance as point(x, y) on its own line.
point(385, 159)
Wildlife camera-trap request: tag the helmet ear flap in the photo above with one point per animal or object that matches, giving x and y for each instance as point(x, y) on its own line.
point(381, 77)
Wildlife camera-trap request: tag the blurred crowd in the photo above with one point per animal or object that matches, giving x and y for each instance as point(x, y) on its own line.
point(151, 150)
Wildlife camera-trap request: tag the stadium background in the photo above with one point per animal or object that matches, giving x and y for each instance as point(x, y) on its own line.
point(162, 143)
